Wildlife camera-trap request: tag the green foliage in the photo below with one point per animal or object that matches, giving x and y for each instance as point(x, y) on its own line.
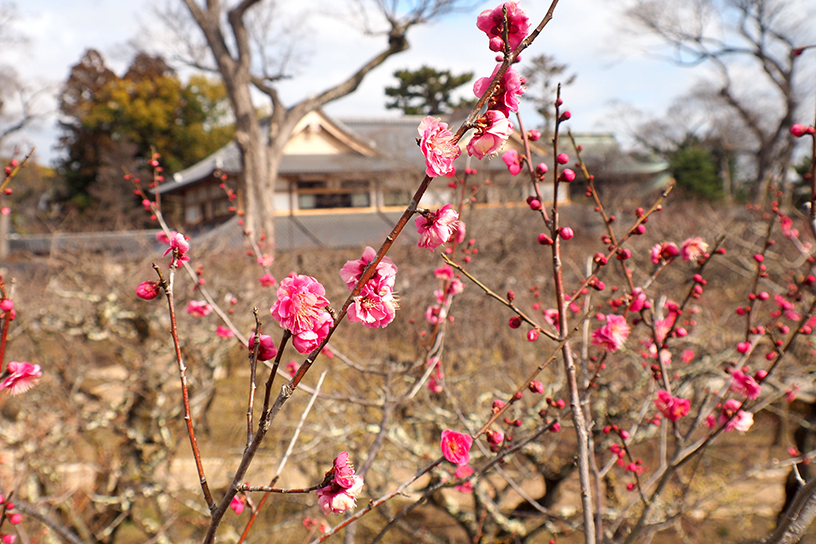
point(426, 91)
point(695, 171)
point(111, 122)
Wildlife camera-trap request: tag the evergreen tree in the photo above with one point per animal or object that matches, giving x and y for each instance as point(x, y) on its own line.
point(426, 91)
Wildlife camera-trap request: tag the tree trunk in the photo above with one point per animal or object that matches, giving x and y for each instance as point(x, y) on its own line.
point(250, 141)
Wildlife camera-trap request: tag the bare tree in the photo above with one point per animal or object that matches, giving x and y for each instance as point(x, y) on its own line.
point(229, 36)
point(19, 101)
point(753, 46)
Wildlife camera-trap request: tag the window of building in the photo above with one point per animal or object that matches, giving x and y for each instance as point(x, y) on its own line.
point(324, 194)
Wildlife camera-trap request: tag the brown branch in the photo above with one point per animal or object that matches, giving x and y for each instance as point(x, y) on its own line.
point(188, 419)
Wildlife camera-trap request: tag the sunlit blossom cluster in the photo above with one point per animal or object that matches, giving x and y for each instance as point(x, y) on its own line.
point(436, 228)
point(301, 308)
point(376, 305)
point(613, 334)
point(493, 128)
point(341, 494)
point(732, 417)
point(672, 407)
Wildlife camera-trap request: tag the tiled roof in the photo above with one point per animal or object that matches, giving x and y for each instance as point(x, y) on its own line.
point(394, 139)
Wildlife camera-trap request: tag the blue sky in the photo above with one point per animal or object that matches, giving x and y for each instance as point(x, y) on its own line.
point(588, 35)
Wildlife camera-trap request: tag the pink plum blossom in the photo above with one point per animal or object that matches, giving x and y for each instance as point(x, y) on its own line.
point(19, 377)
point(491, 22)
point(267, 280)
point(462, 472)
point(341, 494)
point(744, 384)
point(434, 385)
point(693, 248)
point(224, 332)
point(148, 290)
point(460, 232)
point(551, 316)
point(492, 130)
point(672, 407)
point(612, 335)
point(741, 420)
point(180, 244)
point(352, 270)
point(444, 272)
point(300, 303)
point(638, 300)
point(456, 286)
point(238, 503)
point(666, 250)
point(786, 224)
point(434, 381)
point(512, 159)
point(308, 340)
point(456, 447)
point(266, 260)
point(436, 228)
point(267, 349)
point(292, 367)
point(505, 99)
point(198, 308)
point(375, 306)
point(436, 143)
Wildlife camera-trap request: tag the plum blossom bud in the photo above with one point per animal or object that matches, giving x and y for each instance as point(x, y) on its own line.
point(497, 405)
point(564, 116)
point(515, 322)
point(533, 135)
point(494, 438)
point(6, 305)
point(544, 240)
point(541, 169)
point(798, 130)
point(567, 175)
point(536, 387)
point(562, 158)
point(510, 296)
point(532, 335)
point(566, 233)
point(147, 290)
point(512, 159)
point(266, 350)
point(535, 204)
